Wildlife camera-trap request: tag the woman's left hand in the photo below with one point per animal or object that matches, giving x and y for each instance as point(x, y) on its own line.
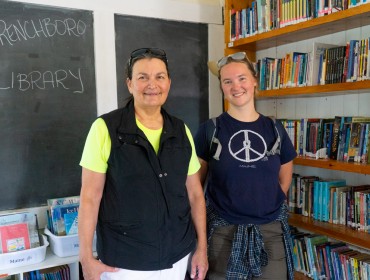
point(199, 265)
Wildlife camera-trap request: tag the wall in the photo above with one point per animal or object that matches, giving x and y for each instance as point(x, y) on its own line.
point(206, 11)
point(203, 11)
point(216, 47)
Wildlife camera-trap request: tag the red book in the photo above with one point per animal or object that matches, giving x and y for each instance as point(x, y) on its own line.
point(14, 237)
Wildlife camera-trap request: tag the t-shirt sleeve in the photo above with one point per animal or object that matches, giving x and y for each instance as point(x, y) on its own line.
point(97, 147)
point(287, 152)
point(194, 164)
point(201, 143)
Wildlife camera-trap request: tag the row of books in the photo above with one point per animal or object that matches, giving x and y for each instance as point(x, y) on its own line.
point(325, 64)
point(318, 258)
point(265, 15)
point(62, 214)
point(53, 273)
point(331, 200)
point(18, 231)
point(343, 138)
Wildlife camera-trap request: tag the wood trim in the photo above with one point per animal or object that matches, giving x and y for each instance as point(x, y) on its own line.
point(353, 167)
point(335, 231)
point(317, 91)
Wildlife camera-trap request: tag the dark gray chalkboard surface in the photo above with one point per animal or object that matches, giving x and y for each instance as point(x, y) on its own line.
point(186, 45)
point(47, 101)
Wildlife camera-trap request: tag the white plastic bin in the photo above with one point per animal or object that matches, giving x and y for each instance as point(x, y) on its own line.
point(65, 246)
point(24, 257)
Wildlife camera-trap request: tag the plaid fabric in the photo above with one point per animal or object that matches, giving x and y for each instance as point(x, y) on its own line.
point(248, 253)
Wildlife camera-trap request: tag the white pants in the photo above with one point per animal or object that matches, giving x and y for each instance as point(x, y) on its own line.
point(177, 272)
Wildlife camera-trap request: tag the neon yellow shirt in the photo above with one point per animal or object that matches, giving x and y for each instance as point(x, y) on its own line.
point(98, 145)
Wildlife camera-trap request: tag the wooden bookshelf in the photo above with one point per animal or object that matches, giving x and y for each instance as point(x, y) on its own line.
point(352, 167)
point(338, 232)
point(335, 22)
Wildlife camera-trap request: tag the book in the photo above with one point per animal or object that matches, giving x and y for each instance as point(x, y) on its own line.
point(337, 265)
point(306, 197)
point(361, 143)
point(330, 249)
point(71, 222)
point(326, 199)
point(316, 197)
point(24, 217)
point(339, 212)
point(318, 50)
point(327, 134)
point(63, 213)
point(355, 262)
point(362, 212)
point(311, 242)
point(335, 137)
point(298, 241)
point(358, 207)
point(354, 141)
point(313, 135)
point(348, 127)
point(351, 205)
point(292, 194)
point(63, 200)
point(303, 248)
point(14, 237)
point(323, 264)
point(345, 128)
point(261, 15)
point(351, 60)
point(365, 147)
point(343, 211)
point(56, 222)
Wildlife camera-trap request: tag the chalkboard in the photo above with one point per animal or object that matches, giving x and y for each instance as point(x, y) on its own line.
point(186, 45)
point(47, 101)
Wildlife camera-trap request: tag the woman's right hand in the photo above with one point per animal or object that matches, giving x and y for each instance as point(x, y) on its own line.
point(92, 269)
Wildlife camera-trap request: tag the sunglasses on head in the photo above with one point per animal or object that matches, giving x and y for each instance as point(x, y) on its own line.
point(153, 51)
point(234, 56)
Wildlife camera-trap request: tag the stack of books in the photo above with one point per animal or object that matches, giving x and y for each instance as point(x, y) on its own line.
point(318, 258)
point(62, 215)
point(330, 200)
point(18, 231)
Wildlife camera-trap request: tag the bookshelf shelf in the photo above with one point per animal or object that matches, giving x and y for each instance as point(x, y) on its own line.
point(338, 232)
point(51, 260)
point(334, 165)
point(335, 22)
point(316, 91)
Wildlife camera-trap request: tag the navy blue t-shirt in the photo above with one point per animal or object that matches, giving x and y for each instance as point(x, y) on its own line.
point(243, 185)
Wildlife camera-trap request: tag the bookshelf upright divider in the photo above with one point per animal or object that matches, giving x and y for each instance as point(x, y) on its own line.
point(339, 21)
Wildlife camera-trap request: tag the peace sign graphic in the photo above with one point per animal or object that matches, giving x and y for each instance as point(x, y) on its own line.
point(245, 145)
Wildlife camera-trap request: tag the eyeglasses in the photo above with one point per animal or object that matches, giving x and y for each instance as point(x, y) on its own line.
point(234, 56)
point(153, 51)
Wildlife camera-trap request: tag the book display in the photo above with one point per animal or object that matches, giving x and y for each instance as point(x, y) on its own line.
point(25, 264)
point(25, 253)
point(302, 70)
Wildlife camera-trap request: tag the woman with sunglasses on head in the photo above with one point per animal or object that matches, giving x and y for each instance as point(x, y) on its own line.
point(140, 187)
point(249, 170)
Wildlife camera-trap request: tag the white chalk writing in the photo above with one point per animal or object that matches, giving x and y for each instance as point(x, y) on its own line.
point(64, 79)
point(11, 33)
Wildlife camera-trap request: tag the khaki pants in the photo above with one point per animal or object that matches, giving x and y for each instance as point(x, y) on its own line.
point(220, 249)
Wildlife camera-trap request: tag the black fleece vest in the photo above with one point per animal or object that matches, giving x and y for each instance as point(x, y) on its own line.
point(144, 218)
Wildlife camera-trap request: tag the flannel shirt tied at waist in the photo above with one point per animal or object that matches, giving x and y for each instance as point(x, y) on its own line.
point(248, 253)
